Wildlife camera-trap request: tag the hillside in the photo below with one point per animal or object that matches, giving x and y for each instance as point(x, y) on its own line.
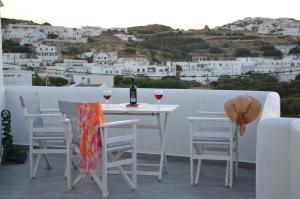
point(162, 43)
point(6, 21)
point(169, 44)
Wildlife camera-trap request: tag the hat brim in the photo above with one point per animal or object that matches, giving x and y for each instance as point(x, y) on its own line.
point(249, 116)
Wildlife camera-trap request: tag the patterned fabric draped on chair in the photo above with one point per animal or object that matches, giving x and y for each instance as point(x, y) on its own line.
point(89, 115)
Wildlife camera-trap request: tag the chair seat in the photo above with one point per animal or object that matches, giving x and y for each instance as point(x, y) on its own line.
point(49, 134)
point(118, 144)
point(210, 139)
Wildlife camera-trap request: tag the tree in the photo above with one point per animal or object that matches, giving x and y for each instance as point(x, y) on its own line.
point(270, 51)
point(165, 82)
point(52, 81)
point(273, 53)
point(52, 36)
point(58, 81)
point(47, 24)
point(295, 50)
point(242, 52)
point(129, 51)
point(206, 28)
point(215, 50)
point(297, 77)
point(11, 46)
point(178, 70)
point(38, 81)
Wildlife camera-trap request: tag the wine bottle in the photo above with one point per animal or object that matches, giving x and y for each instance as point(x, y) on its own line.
point(132, 92)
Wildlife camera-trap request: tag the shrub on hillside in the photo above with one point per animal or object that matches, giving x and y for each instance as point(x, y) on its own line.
point(295, 50)
point(215, 50)
point(242, 52)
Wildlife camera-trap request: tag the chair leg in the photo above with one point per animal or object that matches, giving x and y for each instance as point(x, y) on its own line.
point(37, 161)
point(68, 171)
point(227, 174)
point(134, 168)
point(231, 169)
point(166, 164)
point(126, 178)
point(198, 171)
point(104, 172)
point(48, 166)
point(43, 145)
point(236, 165)
point(191, 170)
point(101, 185)
point(31, 162)
point(200, 151)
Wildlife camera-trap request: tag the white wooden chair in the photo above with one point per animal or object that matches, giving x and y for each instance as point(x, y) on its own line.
point(113, 149)
point(213, 137)
point(41, 131)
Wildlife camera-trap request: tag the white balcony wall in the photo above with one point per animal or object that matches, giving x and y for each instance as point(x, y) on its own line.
point(148, 140)
point(278, 161)
point(1, 84)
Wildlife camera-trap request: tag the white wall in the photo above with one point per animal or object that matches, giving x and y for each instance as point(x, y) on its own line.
point(148, 140)
point(278, 161)
point(108, 80)
point(1, 85)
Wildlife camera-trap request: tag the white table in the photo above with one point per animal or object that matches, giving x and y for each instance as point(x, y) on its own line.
point(161, 112)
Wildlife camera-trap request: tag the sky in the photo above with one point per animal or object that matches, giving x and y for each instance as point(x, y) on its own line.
point(183, 14)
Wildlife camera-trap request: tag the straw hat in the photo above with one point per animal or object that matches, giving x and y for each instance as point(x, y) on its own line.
point(242, 110)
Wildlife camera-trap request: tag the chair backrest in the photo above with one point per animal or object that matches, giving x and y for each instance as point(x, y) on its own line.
point(212, 126)
point(69, 109)
point(31, 105)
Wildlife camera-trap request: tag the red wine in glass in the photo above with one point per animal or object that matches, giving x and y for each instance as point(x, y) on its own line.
point(158, 94)
point(106, 97)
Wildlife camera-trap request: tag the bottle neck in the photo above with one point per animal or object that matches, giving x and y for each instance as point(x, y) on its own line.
point(133, 81)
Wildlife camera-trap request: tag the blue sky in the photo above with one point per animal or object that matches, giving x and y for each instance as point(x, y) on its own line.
point(184, 14)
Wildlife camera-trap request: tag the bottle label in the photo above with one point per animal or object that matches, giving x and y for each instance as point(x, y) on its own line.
point(133, 97)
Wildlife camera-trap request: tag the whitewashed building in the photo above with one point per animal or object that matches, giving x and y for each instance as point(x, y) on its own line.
point(13, 58)
point(72, 35)
point(105, 58)
point(46, 53)
point(91, 31)
point(15, 76)
point(133, 61)
point(94, 79)
point(291, 31)
point(285, 48)
point(125, 37)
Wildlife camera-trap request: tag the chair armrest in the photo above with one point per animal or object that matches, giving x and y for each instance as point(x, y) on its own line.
point(213, 119)
point(119, 123)
point(209, 113)
point(41, 115)
point(50, 110)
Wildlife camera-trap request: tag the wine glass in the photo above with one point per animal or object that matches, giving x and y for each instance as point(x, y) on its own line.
point(107, 95)
point(158, 94)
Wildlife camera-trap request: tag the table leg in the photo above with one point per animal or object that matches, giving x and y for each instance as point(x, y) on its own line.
point(165, 133)
point(162, 131)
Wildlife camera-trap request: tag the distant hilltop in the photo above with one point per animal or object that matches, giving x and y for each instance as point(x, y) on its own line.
point(279, 26)
point(260, 25)
point(6, 21)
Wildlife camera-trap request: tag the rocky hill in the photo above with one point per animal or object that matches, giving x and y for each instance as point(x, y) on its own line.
point(6, 21)
point(280, 26)
point(162, 43)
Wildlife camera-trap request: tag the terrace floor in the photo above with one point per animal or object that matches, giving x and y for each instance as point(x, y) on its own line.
point(15, 183)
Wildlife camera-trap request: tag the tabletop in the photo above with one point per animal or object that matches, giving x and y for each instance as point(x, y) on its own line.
point(142, 108)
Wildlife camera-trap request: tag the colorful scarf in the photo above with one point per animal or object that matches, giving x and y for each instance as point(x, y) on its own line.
point(89, 115)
